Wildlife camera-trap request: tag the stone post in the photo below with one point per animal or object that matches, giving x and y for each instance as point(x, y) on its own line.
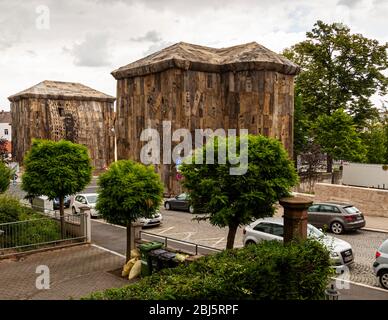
point(295, 218)
point(135, 233)
point(86, 227)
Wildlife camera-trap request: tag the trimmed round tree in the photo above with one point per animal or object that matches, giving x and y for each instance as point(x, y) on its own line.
point(128, 191)
point(233, 200)
point(5, 177)
point(56, 169)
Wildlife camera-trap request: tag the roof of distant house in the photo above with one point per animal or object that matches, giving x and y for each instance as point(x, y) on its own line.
point(62, 90)
point(249, 56)
point(5, 117)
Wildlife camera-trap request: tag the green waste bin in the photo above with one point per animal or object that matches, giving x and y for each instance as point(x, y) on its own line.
point(145, 248)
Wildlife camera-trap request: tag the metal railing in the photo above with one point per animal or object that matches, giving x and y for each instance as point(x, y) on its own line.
point(180, 245)
point(21, 236)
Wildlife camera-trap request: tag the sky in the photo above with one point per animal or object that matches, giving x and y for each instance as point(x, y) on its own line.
point(85, 40)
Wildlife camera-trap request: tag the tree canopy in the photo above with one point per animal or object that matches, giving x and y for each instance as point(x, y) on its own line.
point(337, 136)
point(339, 70)
point(5, 177)
point(236, 200)
point(128, 190)
point(56, 169)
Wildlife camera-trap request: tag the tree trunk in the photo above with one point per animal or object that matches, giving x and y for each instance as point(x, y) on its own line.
point(329, 166)
point(231, 235)
point(62, 215)
point(128, 255)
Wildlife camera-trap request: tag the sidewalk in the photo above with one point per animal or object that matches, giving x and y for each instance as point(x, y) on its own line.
point(73, 273)
point(376, 223)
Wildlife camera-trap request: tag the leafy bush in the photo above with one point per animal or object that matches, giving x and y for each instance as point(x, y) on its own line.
point(267, 271)
point(10, 209)
point(36, 230)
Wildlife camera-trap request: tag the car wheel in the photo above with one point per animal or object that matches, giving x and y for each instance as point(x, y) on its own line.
point(384, 279)
point(167, 206)
point(191, 209)
point(250, 242)
point(337, 227)
point(73, 210)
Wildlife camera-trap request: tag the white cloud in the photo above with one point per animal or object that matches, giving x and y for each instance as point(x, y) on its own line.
point(94, 51)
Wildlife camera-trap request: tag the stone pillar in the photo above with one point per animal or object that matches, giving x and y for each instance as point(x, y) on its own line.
point(86, 224)
point(135, 233)
point(295, 218)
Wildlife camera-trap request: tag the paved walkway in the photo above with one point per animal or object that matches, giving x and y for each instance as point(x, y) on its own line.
point(74, 273)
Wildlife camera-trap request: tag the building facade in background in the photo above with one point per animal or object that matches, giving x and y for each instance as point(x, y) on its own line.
point(5, 134)
point(56, 110)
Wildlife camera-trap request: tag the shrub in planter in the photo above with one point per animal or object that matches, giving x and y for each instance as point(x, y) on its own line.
point(267, 271)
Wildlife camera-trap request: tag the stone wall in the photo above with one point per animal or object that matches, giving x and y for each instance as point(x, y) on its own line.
point(372, 202)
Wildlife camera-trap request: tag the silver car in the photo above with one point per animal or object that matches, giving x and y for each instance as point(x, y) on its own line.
point(380, 266)
point(341, 252)
point(155, 220)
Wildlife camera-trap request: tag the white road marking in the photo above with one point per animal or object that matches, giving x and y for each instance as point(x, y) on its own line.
point(105, 249)
point(165, 230)
point(361, 285)
point(110, 224)
point(219, 241)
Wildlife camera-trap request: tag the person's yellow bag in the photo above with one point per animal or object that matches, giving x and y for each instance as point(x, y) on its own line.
point(127, 267)
point(181, 257)
point(135, 270)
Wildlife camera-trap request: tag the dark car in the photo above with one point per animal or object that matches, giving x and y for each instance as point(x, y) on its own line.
point(181, 202)
point(337, 217)
point(66, 203)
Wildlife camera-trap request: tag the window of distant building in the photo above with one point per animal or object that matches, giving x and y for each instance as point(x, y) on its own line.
point(6, 132)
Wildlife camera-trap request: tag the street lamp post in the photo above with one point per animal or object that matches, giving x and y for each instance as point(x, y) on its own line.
point(331, 293)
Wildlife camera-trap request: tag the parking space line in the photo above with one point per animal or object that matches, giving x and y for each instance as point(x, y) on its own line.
point(165, 230)
point(219, 241)
point(107, 250)
point(361, 284)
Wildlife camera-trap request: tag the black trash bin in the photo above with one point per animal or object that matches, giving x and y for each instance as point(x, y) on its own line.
point(154, 260)
point(168, 260)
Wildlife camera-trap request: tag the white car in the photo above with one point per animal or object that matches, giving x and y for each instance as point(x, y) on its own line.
point(154, 221)
point(85, 200)
point(341, 252)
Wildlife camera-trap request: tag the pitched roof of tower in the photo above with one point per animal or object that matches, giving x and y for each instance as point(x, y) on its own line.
point(62, 90)
point(249, 56)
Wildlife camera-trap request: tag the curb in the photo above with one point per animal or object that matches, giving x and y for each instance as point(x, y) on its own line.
point(375, 230)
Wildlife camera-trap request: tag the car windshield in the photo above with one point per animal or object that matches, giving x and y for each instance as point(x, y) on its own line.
point(351, 209)
point(314, 232)
point(92, 199)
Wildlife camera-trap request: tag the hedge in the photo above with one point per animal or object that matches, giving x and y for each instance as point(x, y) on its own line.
point(267, 271)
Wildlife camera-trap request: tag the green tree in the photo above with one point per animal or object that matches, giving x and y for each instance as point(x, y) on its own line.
point(5, 177)
point(339, 70)
point(128, 191)
point(374, 139)
point(56, 169)
point(338, 138)
point(235, 200)
point(302, 126)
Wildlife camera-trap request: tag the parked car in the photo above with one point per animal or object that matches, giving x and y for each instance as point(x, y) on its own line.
point(66, 202)
point(155, 220)
point(85, 199)
point(337, 217)
point(341, 252)
point(380, 266)
point(180, 202)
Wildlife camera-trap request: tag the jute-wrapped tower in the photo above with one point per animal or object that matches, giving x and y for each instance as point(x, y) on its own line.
point(64, 110)
point(241, 87)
